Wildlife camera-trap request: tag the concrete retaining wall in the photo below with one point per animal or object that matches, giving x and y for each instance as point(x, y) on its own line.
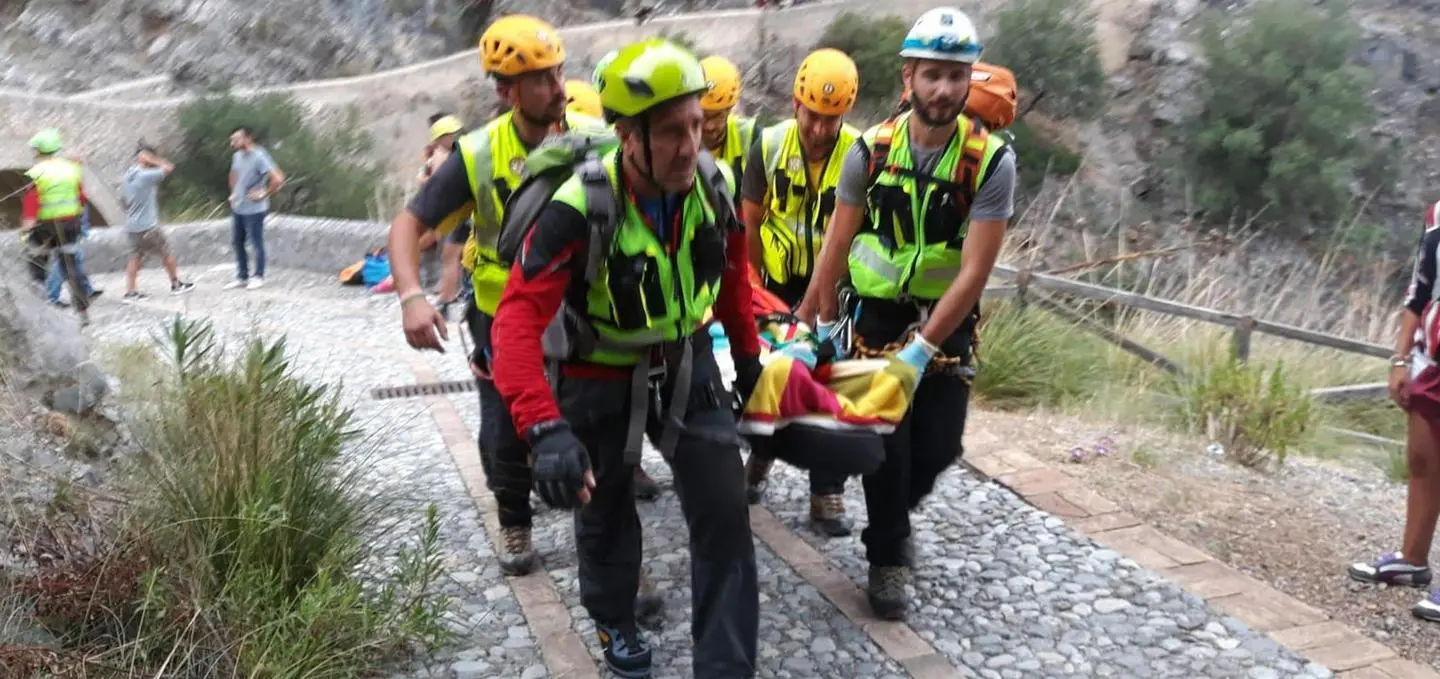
point(311, 244)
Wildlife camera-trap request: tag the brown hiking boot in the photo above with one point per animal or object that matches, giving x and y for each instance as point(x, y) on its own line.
point(756, 469)
point(886, 591)
point(519, 555)
point(649, 605)
point(645, 487)
point(827, 515)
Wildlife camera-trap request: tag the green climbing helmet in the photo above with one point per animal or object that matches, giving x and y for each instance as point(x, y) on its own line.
point(600, 68)
point(46, 141)
point(648, 73)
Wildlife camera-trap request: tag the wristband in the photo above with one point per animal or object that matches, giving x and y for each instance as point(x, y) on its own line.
point(925, 346)
point(418, 294)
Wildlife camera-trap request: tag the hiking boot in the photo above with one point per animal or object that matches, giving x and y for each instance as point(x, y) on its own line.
point(645, 487)
point(1391, 569)
point(181, 287)
point(1428, 608)
point(757, 469)
point(132, 297)
point(626, 652)
point(519, 557)
point(648, 602)
point(886, 591)
point(827, 515)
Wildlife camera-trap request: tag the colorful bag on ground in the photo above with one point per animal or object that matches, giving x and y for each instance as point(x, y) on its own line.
point(376, 269)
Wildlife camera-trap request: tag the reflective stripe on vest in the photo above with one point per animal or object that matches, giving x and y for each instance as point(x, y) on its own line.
point(887, 260)
point(494, 158)
point(58, 183)
point(796, 215)
point(660, 299)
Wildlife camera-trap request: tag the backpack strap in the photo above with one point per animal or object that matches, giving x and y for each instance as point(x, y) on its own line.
point(880, 150)
point(600, 211)
point(967, 171)
point(717, 192)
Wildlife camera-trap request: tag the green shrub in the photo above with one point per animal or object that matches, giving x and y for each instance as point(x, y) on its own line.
point(1040, 157)
point(1050, 45)
point(257, 533)
point(1027, 357)
point(874, 44)
point(1281, 109)
point(326, 171)
point(1257, 415)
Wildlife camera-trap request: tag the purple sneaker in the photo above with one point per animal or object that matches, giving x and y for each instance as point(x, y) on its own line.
point(1428, 608)
point(1392, 569)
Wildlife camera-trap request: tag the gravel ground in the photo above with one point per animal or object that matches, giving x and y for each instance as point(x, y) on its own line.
point(1034, 598)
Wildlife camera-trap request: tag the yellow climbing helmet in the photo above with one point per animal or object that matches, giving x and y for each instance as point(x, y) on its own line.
point(827, 82)
point(646, 74)
point(723, 79)
point(581, 97)
point(518, 44)
point(444, 126)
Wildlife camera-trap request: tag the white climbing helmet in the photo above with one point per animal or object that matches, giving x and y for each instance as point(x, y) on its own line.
point(943, 34)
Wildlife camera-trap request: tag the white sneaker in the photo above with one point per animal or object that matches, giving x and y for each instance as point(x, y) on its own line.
point(255, 283)
point(237, 283)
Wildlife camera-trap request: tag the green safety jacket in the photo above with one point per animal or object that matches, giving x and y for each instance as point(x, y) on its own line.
point(58, 183)
point(914, 231)
point(797, 214)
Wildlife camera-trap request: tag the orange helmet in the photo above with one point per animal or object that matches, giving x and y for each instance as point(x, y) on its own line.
point(518, 44)
point(723, 79)
point(827, 82)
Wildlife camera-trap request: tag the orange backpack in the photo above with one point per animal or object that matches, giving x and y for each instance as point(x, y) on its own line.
point(993, 96)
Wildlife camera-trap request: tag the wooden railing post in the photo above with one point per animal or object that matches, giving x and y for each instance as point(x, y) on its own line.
point(1022, 281)
point(1241, 338)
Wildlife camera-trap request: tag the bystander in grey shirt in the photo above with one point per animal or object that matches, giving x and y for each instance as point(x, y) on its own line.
point(252, 171)
point(140, 189)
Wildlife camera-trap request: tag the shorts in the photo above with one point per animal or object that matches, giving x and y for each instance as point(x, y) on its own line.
point(148, 242)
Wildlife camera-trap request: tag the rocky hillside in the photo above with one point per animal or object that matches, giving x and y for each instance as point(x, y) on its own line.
point(207, 43)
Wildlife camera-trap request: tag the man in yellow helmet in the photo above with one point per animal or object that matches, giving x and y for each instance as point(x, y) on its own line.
point(788, 195)
point(444, 129)
point(52, 209)
point(638, 350)
point(913, 191)
point(581, 97)
point(728, 136)
point(525, 57)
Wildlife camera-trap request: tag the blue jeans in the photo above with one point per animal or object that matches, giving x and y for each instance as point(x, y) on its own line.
point(56, 278)
point(250, 227)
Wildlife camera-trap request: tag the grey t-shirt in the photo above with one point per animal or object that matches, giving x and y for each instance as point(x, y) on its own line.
point(252, 171)
point(140, 190)
point(994, 200)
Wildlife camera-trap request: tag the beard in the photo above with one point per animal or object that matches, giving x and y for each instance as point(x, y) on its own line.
point(935, 113)
point(553, 113)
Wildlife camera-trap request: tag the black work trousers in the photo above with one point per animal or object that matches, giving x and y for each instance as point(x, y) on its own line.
point(710, 483)
point(925, 443)
point(792, 292)
point(503, 455)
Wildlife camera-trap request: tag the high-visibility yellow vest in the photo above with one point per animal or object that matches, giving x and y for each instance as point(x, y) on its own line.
point(917, 255)
point(58, 181)
point(797, 214)
point(494, 158)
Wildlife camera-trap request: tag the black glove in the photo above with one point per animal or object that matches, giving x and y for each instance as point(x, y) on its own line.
point(747, 374)
point(560, 462)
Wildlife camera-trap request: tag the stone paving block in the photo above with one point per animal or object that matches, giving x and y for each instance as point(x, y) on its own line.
point(1057, 505)
point(898, 640)
point(1354, 652)
point(1019, 460)
point(1088, 500)
point(988, 464)
point(1267, 610)
point(1367, 672)
point(1151, 548)
point(1095, 525)
point(1406, 669)
point(933, 667)
point(1312, 636)
point(1037, 481)
point(1210, 579)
